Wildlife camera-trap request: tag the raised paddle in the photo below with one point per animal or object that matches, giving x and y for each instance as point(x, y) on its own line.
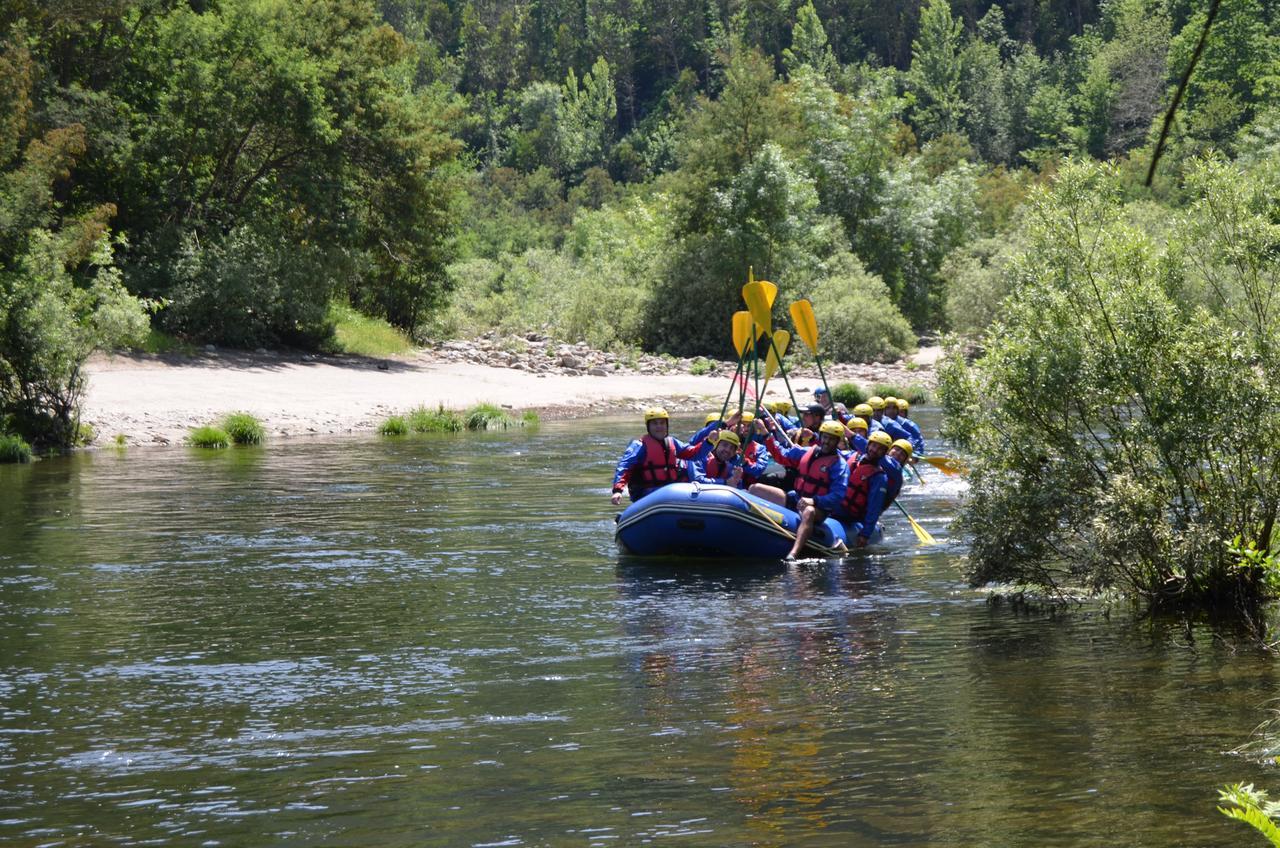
point(741, 338)
point(807, 328)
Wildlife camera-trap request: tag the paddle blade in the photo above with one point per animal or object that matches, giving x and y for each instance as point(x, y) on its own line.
point(806, 324)
point(770, 292)
point(948, 465)
point(781, 338)
point(757, 298)
point(742, 335)
point(922, 534)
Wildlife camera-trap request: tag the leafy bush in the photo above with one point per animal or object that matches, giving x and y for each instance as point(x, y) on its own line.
point(857, 321)
point(209, 437)
point(14, 449)
point(701, 366)
point(1085, 416)
point(530, 418)
point(255, 287)
point(396, 425)
point(244, 429)
point(850, 394)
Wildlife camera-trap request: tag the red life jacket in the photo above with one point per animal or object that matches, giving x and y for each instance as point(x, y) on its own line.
point(814, 477)
point(716, 468)
point(860, 476)
point(656, 469)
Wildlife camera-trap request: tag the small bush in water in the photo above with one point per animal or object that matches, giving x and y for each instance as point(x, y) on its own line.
point(394, 426)
point(244, 429)
point(209, 437)
point(14, 449)
point(486, 416)
point(440, 420)
point(529, 418)
point(850, 394)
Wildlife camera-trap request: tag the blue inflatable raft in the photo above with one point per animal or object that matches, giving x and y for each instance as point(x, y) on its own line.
point(718, 521)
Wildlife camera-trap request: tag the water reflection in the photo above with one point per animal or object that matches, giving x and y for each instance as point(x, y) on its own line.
point(362, 641)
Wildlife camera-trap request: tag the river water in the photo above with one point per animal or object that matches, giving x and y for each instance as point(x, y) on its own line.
point(433, 641)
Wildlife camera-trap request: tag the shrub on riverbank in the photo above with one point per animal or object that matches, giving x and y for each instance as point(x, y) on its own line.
point(394, 426)
point(440, 420)
point(1124, 420)
point(244, 429)
point(209, 437)
point(14, 449)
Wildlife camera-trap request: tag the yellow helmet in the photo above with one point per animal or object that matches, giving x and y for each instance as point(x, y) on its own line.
point(890, 401)
point(876, 402)
point(857, 423)
point(880, 437)
point(748, 417)
point(903, 405)
point(832, 428)
point(904, 444)
point(711, 417)
point(783, 406)
point(730, 437)
point(654, 413)
point(863, 409)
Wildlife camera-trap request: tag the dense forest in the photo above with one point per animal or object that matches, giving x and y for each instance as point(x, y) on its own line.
point(229, 170)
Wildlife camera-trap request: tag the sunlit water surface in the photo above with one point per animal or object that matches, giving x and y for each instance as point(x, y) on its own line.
point(433, 641)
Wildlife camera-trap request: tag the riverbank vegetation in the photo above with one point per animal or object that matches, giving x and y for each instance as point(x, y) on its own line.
point(1124, 418)
point(257, 172)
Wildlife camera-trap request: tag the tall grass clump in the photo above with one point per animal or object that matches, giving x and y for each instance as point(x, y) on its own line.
point(529, 418)
point(244, 429)
point(396, 425)
point(14, 449)
point(209, 437)
point(439, 420)
point(486, 416)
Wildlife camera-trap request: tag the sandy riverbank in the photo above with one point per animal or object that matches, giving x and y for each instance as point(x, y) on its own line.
point(157, 399)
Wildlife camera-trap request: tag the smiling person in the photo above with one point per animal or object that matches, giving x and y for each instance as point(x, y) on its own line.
point(652, 461)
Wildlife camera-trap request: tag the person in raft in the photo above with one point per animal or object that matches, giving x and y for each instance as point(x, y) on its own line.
point(724, 467)
point(864, 498)
point(652, 461)
point(810, 420)
point(837, 411)
point(857, 434)
point(820, 485)
point(781, 410)
point(889, 420)
point(916, 437)
point(893, 464)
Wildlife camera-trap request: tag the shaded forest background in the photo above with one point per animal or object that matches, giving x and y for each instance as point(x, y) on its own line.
point(230, 170)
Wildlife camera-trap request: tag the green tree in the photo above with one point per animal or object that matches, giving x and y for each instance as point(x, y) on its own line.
point(936, 70)
point(809, 47)
point(61, 297)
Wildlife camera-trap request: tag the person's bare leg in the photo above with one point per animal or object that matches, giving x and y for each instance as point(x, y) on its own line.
point(807, 519)
point(772, 494)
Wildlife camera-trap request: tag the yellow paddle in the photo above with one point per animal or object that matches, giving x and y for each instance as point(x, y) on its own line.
point(807, 328)
point(741, 339)
point(921, 533)
point(948, 465)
